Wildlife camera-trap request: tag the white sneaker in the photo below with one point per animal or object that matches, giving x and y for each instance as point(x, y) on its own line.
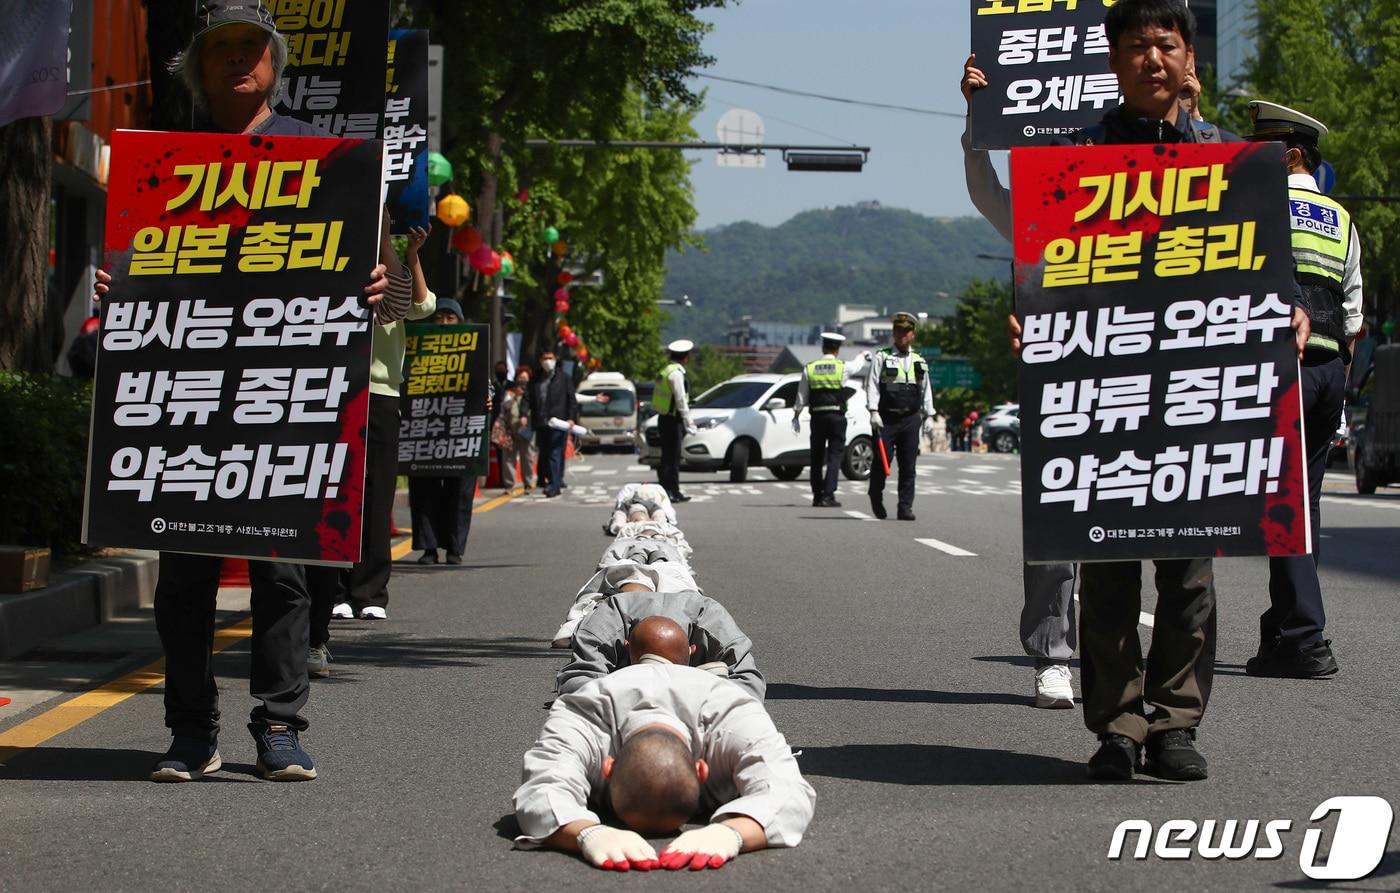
point(373, 612)
point(1053, 690)
point(342, 611)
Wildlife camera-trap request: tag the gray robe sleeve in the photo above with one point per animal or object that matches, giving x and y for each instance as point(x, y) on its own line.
point(597, 648)
point(717, 637)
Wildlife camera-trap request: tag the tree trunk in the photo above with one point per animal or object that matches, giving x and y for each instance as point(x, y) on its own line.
point(28, 324)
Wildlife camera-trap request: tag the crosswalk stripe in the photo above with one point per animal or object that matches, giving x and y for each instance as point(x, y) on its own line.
point(946, 547)
point(860, 516)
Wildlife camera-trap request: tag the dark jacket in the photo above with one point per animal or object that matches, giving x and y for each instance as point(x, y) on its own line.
point(552, 398)
point(1121, 126)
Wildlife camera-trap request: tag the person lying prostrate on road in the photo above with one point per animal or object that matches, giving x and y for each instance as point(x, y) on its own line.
point(622, 576)
point(651, 496)
point(609, 638)
point(657, 744)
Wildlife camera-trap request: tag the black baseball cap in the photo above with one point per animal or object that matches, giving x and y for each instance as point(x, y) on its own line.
point(214, 13)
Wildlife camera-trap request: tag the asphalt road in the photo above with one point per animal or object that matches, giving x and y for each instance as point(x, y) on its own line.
point(894, 668)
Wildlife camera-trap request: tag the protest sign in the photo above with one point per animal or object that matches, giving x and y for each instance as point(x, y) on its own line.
point(336, 63)
point(1160, 403)
point(406, 130)
point(1046, 63)
point(443, 426)
point(232, 386)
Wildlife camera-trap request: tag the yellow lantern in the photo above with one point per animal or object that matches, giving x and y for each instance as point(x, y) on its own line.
point(560, 248)
point(453, 210)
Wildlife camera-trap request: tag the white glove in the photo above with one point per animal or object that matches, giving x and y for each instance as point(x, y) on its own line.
point(874, 421)
point(707, 847)
point(691, 429)
point(796, 425)
point(613, 849)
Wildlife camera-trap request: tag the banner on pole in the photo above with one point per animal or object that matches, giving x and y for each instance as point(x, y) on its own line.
point(443, 416)
point(232, 387)
point(1160, 404)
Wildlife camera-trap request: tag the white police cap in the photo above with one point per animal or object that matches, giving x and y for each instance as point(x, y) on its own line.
point(1276, 122)
point(681, 346)
point(833, 336)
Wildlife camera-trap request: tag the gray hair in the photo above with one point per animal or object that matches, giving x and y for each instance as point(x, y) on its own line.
point(185, 66)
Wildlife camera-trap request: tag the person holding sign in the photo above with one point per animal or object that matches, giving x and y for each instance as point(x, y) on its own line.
point(900, 398)
point(1327, 256)
point(1156, 709)
point(232, 68)
point(441, 507)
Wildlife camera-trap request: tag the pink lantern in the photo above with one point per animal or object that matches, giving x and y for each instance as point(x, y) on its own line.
point(561, 294)
point(561, 306)
point(493, 265)
point(571, 339)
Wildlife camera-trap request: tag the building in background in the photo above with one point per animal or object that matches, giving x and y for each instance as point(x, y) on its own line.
point(1236, 43)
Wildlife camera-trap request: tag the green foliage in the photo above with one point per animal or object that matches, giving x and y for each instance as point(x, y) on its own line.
point(1339, 61)
point(592, 69)
point(708, 367)
point(800, 270)
point(620, 212)
point(977, 331)
point(43, 466)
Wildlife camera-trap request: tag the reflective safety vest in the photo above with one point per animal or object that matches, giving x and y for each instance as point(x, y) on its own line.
point(663, 401)
point(901, 381)
point(1321, 231)
point(826, 379)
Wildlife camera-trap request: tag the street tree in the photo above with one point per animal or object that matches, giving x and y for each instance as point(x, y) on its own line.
point(977, 331)
point(1339, 61)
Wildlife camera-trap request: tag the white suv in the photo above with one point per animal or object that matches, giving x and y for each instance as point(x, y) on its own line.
point(747, 421)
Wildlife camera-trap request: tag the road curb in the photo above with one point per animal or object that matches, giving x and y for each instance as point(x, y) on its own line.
point(81, 597)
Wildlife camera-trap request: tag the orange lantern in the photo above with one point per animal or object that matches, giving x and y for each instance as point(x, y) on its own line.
point(560, 248)
point(453, 210)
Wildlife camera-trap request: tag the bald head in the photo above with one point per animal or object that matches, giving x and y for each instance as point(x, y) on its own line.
point(654, 785)
point(661, 636)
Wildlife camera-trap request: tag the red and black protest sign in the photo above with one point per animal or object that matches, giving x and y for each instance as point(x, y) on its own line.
point(232, 383)
point(1046, 63)
point(443, 421)
point(406, 130)
point(1160, 402)
point(336, 63)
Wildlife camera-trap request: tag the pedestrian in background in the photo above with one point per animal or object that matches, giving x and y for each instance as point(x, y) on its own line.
point(552, 398)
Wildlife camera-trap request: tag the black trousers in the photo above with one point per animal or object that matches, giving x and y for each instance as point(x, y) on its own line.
point(901, 439)
point(367, 581)
point(543, 472)
point(184, 609)
point(668, 473)
point(828, 443)
point(1295, 617)
point(1120, 696)
point(442, 512)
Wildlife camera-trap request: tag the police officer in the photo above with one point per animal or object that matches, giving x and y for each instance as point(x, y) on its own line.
point(898, 394)
point(1327, 260)
point(673, 418)
point(822, 389)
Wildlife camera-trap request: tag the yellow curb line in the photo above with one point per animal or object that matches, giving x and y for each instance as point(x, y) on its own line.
point(56, 720)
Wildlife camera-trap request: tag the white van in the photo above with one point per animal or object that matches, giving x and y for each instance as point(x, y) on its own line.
point(611, 425)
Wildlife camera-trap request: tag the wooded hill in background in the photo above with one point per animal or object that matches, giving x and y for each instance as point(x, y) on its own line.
point(800, 270)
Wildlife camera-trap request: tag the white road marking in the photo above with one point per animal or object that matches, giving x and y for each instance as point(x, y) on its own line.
point(981, 469)
point(781, 486)
point(1367, 503)
point(582, 468)
point(860, 516)
point(946, 547)
point(603, 472)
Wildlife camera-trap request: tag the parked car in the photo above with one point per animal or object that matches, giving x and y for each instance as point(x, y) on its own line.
point(1374, 416)
point(612, 424)
point(747, 421)
point(1001, 431)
